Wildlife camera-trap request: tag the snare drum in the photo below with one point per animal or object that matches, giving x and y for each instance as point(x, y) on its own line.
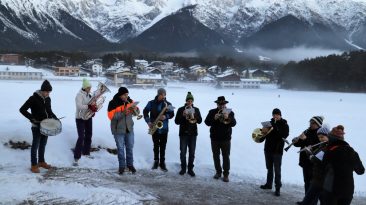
point(50, 127)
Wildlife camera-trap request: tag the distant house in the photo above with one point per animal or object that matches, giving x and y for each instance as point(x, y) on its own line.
point(97, 68)
point(229, 81)
point(121, 76)
point(67, 71)
point(207, 79)
point(12, 72)
point(154, 70)
point(11, 59)
point(149, 80)
point(198, 70)
point(214, 69)
point(264, 76)
point(141, 64)
point(250, 83)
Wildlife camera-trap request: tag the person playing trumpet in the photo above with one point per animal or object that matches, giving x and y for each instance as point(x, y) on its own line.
point(187, 118)
point(221, 124)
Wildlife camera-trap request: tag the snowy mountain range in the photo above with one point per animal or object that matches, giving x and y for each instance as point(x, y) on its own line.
point(96, 24)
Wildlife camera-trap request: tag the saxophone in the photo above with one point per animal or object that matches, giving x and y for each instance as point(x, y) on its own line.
point(158, 124)
point(97, 99)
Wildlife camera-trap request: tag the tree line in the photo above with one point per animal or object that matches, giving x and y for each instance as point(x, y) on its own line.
point(345, 73)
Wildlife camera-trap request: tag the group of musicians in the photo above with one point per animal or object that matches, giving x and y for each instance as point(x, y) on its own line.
point(327, 160)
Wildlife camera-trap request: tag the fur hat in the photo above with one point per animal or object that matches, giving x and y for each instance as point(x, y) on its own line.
point(161, 91)
point(189, 96)
point(221, 100)
point(46, 86)
point(276, 111)
point(318, 120)
point(86, 83)
point(122, 90)
point(338, 132)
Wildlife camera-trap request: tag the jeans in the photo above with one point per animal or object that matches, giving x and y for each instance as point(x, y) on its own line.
point(273, 161)
point(159, 141)
point(190, 142)
point(308, 174)
point(224, 146)
point(38, 144)
point(85, 132)
point(122, 141)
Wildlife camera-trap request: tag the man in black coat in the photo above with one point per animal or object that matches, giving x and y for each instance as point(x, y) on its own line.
point(273, 150)
point(187, 118)
point(221, 121)
point(307, 138)
point(340, 161)
point(40, 105)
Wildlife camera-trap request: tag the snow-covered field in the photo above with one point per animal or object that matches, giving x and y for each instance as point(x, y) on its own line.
point(247, 159)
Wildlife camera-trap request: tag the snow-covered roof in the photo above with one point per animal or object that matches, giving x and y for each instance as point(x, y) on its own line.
point(18, 68)
point(149, 76)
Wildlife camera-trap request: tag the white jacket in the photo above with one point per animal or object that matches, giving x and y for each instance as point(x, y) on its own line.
point(81, 100)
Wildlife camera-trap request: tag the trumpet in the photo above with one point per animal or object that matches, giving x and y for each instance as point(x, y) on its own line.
point(189, 110)
point(134, 111)
point(221, 113)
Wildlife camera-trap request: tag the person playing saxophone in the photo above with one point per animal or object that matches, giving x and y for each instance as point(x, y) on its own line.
point(187, 118)
point(152, 111)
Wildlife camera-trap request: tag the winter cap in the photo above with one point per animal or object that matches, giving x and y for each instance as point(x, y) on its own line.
point(221, 100)
point(161, 91)
point(318, 120)
point(276, 111)
point(324, 130)
point(266, 124)
point(86, 83)
point(189, 96)
point(46, 86)
point(122, 90)
point(338, 131)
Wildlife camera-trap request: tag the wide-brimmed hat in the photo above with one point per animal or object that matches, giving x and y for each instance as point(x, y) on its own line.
point(221, 100)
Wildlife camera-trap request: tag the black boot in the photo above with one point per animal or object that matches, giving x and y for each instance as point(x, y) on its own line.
point(121, 170)
point(266, 186)
point(217, 175)
point(277, 192)
point(132, 169)
point(163, 166)
point(155, 165)
point(191, 172)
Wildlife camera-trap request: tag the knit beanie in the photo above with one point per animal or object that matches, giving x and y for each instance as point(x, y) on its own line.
point(86, 83)
point(324, 130)
point(318, 120)
point(46, 86)
point(276, 111)
point(122, 90)
point(189, 96)
point(161, 91)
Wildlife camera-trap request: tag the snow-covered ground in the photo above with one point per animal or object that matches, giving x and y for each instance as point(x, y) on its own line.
point(247, 159)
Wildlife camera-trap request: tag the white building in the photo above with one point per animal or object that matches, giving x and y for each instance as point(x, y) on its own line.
point(97, 68)
point(250, 83)
point(13, 72)
point(149, 80)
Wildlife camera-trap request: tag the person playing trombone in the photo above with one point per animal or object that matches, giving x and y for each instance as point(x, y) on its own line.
point(308, 137)
point(273, 150)
point(187, 118)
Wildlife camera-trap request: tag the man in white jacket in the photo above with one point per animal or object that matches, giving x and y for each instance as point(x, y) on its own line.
point(84, 126)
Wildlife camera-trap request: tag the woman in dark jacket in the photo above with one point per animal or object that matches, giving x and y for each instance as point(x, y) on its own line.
point(340, 161)
point(40, 105)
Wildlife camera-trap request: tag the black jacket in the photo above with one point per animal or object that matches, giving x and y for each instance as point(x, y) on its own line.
point(340, 160)
point(317, 178)
point(185, 127)
point(40, 108)
point(274, 143)
point(219, 131)
point(311, 139)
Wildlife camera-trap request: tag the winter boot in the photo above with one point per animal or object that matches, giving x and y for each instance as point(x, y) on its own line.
point(75, 163)
point(217, 175)
point(155, 165)
point(132, 169)
point(121, 170)
point(191, 172)
point(226, 178)
point(277, 192)
point(182, 171)
point(44, 165)
point(35, 169)
point(266, 186)
point(163, 166)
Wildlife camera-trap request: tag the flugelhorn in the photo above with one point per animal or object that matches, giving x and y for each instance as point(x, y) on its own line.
point(134, 111)
point(221, 113)
point(189, 110)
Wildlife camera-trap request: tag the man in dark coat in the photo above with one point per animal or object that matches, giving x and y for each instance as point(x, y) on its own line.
point(160, 137)
point(188, 116)
point(307, 138)
point(273, 150)
point(340, 161)
point(40, 105)
point(221, 120)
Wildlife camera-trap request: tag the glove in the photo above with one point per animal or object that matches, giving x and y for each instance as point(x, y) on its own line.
point(93, 108)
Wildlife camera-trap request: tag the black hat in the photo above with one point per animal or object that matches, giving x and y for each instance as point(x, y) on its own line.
point(221, 100)
point(46, 86)
point(276, 111)
point(122, 90)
